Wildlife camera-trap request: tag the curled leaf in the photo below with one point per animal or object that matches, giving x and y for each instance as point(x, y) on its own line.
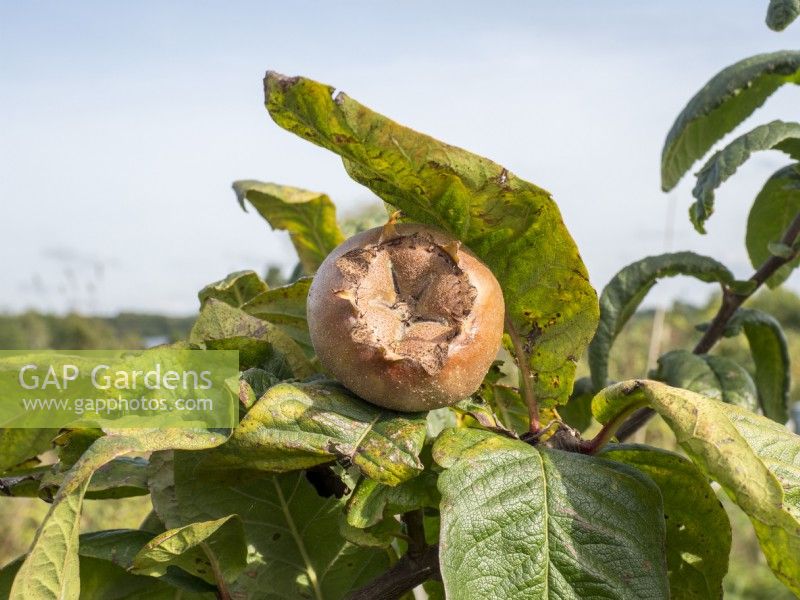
point(776, 135)
point(628, 288)
point(309, 217)
point(725, 101)
point(756, 461)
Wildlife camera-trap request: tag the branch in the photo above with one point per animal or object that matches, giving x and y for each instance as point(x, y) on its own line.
point(406, 574)
point(525, 376)
point(731, 302)
point(415, 528)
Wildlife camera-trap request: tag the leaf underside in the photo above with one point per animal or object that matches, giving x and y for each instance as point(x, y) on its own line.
point(725, 101)
point(309, 217)
point(776, 135)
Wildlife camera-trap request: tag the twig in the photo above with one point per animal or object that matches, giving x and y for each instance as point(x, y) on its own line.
point(608, 431)
point(525, 376)
point(731, 302)
point(415, 528)
point(222, 587)
point(406, 574)
point(636, 422)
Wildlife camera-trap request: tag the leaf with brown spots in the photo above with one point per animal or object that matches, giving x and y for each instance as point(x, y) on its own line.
point(299, 425)
point(755, 460)
point(514, 226)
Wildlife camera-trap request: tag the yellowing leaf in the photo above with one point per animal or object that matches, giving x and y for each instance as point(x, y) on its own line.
point(309, 217)
point(755, 460)
point(513, 226)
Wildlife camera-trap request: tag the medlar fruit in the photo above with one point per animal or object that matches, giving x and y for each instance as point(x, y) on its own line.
point(406, 317)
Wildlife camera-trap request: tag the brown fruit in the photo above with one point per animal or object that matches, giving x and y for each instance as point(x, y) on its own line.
point(406, 317)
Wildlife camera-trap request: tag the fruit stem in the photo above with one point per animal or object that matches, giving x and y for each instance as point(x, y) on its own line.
point(526, 386)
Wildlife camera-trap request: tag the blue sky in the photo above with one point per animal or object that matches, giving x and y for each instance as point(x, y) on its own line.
point(123, 125)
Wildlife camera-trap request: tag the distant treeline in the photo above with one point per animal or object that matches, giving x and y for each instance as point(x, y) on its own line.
point(33, 330)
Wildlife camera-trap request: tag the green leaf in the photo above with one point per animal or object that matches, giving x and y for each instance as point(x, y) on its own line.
point(771, 357)
point(728, 99)
point(122, 477)
point(51, 568)
point(781, 13)
point(756, 461)
point(550, 305)
point(295, 426)
point(125, 441)
point(223, 327)
point(162, 489)
point(23, 483)
point(104, 579)
point(743, 286)
point(713, 376)
point(698, 530)
point(295, 547)
point(72, 443)
point(120, 546)
point(434, 589)
point(577, 413)
point(776, 135)
point(774, 208)
point(380, 535)
point(236, 289)
point(214, 551)
point(285, 307)
point(309, 217)
point(255, 382)
point(371, 501)
point(504, 401)
point(529, 522)
point(19, 445)
point(482, 412)
point(439, 420)
point(7, 574)
point(627, 289)
point(104, 559)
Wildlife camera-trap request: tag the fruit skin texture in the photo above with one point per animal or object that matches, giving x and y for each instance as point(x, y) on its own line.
point(406, 317)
